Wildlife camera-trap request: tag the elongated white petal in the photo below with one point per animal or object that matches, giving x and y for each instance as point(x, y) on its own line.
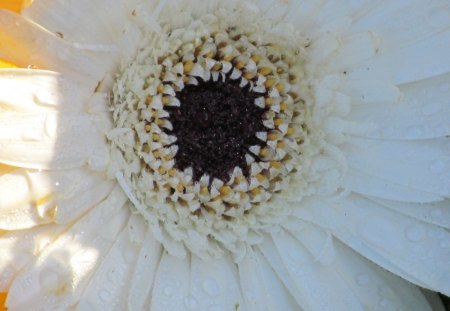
point(144, 273)
point(421, 165)
point(19, 248)
point(100, 25)
point(436, 213)
point(33, 90)
point(51, 140)
point(312, 279)
point(374, 287)
point(261, 288)
point(79, 250)
point(422, 113)
point(26, 43)
point(171, 286)
point(398, 29)
point(213, 287)
point(105, 27)
point(402, 65)
point(415, 250)
point(112, 278)
point(368, 184)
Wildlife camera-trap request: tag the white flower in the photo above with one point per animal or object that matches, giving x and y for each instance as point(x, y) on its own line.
point(350, 176)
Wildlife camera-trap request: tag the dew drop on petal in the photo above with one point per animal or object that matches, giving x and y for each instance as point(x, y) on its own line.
point(362, 279)
point(211, 287)
point(414, 234)
point(49, 280)
point(105, 296)
point(191, 303)
point(168, 291)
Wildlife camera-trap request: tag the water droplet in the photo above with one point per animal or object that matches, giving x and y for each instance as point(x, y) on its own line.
point(191, 303)
point(211, 287)
point(444, 244)
point(49, 279)
point(415, 234)
point(105, 296)
point(168, 291)
point(362, 279)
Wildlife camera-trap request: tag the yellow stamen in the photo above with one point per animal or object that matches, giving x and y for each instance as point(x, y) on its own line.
point(278, 121)
point(270, 83)
point(255, 191)
point(166, 100)
point(204, 191)
point(172, 172)
point(265, 71)
point(187, 67)
point(160, 88)
point(290, 131)
point(224, 190)
point(280, 87)
point(264, 152)
point(268, 101)
point(256, 58)
point(180, 187)
point(275, 164)
point(260, 177)
point(272, 136)
point(249, 75)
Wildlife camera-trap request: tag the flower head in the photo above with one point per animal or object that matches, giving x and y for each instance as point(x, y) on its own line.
point(183, 155)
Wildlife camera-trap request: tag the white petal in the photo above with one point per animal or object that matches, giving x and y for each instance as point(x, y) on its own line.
point(171, 285)
point(112, 278)
point(62, 270)
point(436, 213)
point(370, 185)
point(414, 250)
point(312, 279)
point(421, 165)
point(422, 113)
point(375, 288)
point(399, 29)
point(32, 90)
point(25, 43)
point(261, 287)
point(215, 284)
point(403, 65)
point(144, 273)
point(90, 26)
point(19, 248)
point(82, 21)
point(50, 140)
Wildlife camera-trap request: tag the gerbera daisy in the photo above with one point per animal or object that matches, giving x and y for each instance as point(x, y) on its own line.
point(234, 155)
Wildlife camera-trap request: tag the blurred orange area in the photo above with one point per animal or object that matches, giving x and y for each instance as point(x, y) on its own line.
point(13, 5)
point(2, 301)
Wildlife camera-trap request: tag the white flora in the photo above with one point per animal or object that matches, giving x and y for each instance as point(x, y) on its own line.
point(354, 179)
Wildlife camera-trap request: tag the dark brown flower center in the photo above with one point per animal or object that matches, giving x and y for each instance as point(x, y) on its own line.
point(215, 125)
